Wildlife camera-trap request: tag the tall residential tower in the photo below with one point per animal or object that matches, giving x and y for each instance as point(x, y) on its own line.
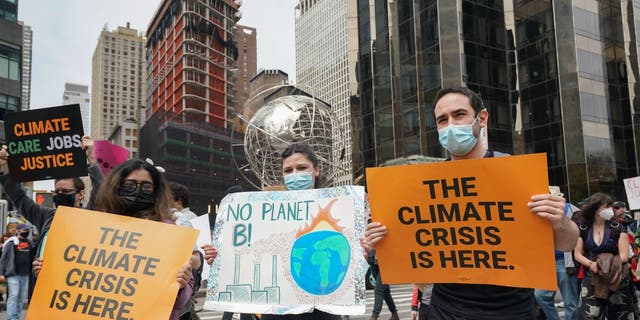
point(117, 82)
point(191, 65)
point(79, 94)
point(326, 58)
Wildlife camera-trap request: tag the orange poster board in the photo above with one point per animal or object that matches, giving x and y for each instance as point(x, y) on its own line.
point(464, 222)
point(106, 266)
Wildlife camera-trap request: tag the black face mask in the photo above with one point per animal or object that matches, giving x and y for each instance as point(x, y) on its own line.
point(136, 202)
point(68, 200)
point(24, 234)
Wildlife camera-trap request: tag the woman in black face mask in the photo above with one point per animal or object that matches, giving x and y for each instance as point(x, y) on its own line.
point(137, 189)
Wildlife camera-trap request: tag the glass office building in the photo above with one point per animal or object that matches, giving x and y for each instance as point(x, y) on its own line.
point(556, 76)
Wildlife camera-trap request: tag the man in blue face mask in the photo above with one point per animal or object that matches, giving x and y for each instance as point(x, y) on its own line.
point(460, 114)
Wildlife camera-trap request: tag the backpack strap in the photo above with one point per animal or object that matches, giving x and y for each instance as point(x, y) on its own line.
point(616, 229)
point(584, 232)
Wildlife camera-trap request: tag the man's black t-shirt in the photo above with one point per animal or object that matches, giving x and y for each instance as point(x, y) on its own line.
point(451, 301)
point(315, 315)
point(23, 258)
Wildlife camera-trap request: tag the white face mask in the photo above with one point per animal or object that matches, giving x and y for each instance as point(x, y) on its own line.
point(606, 213)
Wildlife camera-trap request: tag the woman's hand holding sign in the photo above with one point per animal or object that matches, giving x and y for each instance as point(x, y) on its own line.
point(210, 253)
point(184, 275)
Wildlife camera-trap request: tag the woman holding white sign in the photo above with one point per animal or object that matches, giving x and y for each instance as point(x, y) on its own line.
point(301, 171)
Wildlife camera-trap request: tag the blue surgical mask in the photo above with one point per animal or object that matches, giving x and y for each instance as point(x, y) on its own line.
point(299, 181)
point(458, 139)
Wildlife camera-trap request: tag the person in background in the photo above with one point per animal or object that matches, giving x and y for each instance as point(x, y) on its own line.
point(420, 301)
point(603, 248)
point(566, 276)
point(382, 291)
point(622, 215)
point(15, 267)
point(181, 200)
point(3, 283)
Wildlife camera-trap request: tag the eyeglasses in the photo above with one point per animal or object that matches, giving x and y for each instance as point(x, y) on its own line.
point(130, 186)
point(64, 191)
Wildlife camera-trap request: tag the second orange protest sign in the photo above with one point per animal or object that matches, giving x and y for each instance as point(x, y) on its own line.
point(106, 266)
point(464, 222)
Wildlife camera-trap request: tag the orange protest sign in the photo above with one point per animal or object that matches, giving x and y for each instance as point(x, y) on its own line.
point(106, 266)
point(464, 222)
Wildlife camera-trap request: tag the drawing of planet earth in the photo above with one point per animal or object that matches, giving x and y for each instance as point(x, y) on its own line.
point(320, 260)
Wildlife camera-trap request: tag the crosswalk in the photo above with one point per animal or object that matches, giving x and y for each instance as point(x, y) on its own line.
point(401, 296)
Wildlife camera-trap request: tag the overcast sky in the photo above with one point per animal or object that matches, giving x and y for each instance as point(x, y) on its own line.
point(65, 34)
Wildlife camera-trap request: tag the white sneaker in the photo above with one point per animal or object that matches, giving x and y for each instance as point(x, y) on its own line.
point(560, 304)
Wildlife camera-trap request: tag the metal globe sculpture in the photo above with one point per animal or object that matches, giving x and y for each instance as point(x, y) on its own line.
point(279, 123)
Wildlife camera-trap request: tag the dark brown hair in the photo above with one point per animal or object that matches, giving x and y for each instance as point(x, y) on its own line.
point(307, 151)
point(109, 200)
point(585, 216)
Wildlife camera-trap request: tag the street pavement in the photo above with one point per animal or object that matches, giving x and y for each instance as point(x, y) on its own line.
point(401, 296)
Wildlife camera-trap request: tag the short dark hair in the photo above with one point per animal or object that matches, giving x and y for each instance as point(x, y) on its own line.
point(78, 184)
point(474, 98)
point(180, 192)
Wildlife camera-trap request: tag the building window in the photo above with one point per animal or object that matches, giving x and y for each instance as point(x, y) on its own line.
point(9, 63)
point(9, 10)
point(8, 104)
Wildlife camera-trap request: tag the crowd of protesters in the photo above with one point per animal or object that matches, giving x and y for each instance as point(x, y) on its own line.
point(596, 241)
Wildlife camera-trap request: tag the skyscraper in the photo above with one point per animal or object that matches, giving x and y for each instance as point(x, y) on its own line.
point(191, 55)
point(79, 94)
point(117, 81)
point(10, 59)
point(245, 38)
point(27, 44)
point(326, 57)
point(556, 76)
